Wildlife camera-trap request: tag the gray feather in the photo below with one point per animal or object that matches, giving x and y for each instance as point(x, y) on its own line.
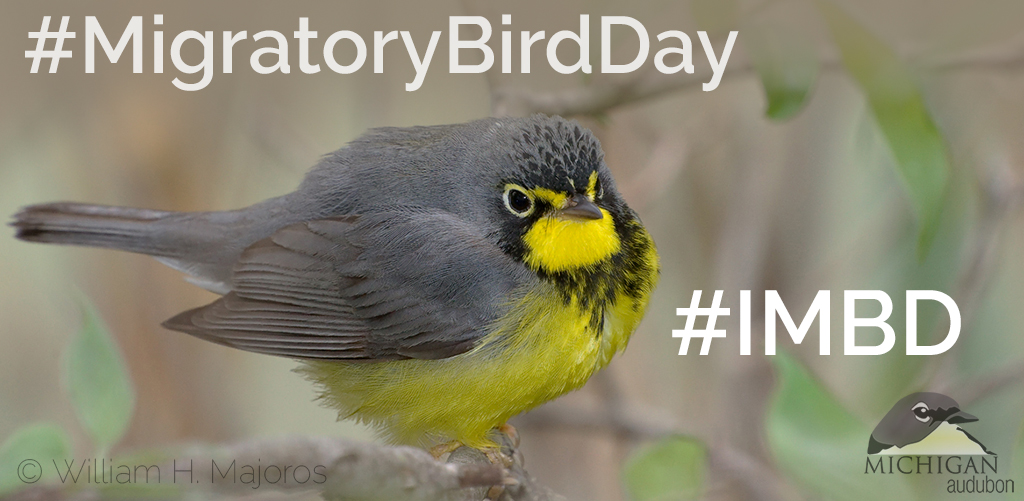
point(391, 285)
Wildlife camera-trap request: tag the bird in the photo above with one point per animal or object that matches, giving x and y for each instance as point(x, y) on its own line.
point(925, 423)
point(431, 281)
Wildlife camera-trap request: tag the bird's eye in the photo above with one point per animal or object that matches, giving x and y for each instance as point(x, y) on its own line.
point(921, 412)
point(518, 202)
point(598, 189)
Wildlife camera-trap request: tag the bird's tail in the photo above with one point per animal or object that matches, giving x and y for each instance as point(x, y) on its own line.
point(124, 228)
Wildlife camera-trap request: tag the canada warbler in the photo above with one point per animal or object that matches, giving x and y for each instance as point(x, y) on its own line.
point(433, 281)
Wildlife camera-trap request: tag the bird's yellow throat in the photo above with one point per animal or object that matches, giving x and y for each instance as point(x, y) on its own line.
point(556, 244)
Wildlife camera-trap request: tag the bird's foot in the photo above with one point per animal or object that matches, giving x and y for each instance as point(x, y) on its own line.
point(512, 434)
point(496, 456)
point(495, 492)
point(441, 449)
point(502, 452)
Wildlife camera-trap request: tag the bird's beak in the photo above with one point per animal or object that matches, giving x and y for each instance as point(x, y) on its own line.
point(579, 207)
point(954, 415)
point(960, 417)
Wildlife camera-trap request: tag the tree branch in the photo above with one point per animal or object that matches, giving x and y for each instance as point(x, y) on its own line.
point(340, 470)
point(647, 83)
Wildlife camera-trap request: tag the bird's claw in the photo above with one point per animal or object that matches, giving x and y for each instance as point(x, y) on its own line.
point(511, 432)
point(441, 449)
point(496, 456)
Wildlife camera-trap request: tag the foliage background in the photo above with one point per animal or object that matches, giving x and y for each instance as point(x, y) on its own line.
point(734, 199)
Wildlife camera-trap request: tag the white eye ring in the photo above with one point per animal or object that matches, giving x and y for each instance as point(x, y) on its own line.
point(514, 196)
point(920, 405)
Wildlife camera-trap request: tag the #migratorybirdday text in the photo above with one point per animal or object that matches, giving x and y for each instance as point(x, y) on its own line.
point(674, 49)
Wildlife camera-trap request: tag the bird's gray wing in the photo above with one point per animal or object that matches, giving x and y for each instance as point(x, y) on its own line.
point(402, 284)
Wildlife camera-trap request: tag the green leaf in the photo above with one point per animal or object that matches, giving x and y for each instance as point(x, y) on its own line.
point(671, 469)
point(902, 115)
point(27, 456)
point(98, 382)
point(818, 442)
point(786, 62)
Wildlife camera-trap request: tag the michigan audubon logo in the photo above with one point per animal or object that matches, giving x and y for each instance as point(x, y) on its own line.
point(921, 435)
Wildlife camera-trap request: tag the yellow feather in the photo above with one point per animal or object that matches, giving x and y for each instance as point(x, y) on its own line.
point(558, 244)
point(543, 348)
point(591, 184)
point(553, 198)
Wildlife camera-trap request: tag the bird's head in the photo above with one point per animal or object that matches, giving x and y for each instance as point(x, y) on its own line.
point(916, 416)
point(559, 207)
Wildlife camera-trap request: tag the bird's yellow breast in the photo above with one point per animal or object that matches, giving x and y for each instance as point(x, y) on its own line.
point(947, 439)
point(539, 351)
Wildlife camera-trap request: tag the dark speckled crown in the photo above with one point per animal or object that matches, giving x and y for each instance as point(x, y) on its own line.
point(552, 147)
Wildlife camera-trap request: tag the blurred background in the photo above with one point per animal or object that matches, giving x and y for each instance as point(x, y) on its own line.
point(798, 193)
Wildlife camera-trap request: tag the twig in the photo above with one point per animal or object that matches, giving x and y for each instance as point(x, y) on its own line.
point(637, 422)
point(667, 161)
point(969, 393)
point(1009, 56)
point(1003, 192)
point(609, 92)
point(602, 95)
point(631, 421)
point(519, 486)
point(338, 469)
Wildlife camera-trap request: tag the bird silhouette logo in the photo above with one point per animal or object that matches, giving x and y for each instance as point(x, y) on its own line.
point(925, 424)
